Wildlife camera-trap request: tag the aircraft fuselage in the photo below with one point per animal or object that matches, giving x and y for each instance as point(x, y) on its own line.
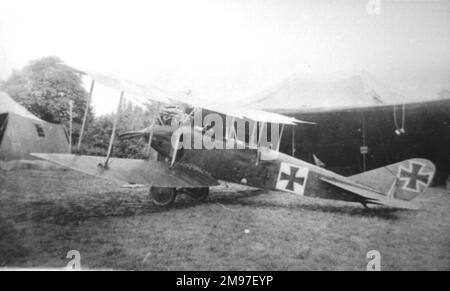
point(261, 168)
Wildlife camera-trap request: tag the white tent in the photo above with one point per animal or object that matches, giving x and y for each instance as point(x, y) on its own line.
point(325, 92)
point(21, 133)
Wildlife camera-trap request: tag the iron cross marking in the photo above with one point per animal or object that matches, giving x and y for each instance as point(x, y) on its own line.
point(292, 178)
point(413, 176)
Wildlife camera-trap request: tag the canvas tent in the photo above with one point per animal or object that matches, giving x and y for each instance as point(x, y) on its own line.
point(326, 91)
point(22, 133)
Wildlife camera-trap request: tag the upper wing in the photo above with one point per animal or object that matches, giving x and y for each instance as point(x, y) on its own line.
point(370, 195)
point(132, 88)
point(159, 95)
point(152, 173)
point(265, 116)
point(239, 111)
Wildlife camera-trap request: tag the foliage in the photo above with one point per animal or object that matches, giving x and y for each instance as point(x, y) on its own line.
point(46, 87)
point(131, 117)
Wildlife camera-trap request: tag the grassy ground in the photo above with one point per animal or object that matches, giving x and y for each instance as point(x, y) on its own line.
point(44, 214)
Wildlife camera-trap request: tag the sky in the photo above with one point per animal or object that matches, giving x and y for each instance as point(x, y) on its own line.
point(229, 49)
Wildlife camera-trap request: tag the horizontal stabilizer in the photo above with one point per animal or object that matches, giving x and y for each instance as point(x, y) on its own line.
point(152, 173)
point(369, 195)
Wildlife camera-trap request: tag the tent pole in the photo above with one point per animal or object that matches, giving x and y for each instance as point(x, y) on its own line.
point(293, 141)
point(86, 112)
point(364, 139)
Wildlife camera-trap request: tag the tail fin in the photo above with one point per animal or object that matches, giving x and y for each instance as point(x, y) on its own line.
point(404, 180)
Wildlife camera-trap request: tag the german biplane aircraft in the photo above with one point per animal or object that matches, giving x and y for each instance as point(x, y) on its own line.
point(194, 171)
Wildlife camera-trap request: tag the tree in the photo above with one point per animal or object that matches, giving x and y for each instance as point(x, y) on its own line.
point(45, 87)
point(131, 117)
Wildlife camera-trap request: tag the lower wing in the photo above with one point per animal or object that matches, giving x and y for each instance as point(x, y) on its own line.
point(144, 172)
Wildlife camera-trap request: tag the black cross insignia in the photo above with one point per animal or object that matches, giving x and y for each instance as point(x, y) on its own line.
point(292, 178)
point(414, 176)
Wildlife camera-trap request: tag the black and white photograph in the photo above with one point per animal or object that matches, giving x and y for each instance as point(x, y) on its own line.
point(234, 138)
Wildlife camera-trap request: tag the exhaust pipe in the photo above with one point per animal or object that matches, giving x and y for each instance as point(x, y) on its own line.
point(134, 134)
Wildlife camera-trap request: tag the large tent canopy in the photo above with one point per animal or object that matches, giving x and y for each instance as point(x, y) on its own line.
point(323, 92)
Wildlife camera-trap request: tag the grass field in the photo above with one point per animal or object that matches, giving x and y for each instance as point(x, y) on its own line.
point(44, 214)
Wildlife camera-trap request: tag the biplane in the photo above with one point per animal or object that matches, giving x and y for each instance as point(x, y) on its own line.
point(193, 170)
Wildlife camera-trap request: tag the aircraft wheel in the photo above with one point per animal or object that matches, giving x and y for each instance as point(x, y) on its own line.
point(199, 194)
point(163, 196)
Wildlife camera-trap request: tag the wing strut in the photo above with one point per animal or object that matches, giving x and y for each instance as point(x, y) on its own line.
point(230, 129)
point(152, 126)
point(258, 157)
point(175, 149)
point(277, 148)
point(279, 139)
point(253, 137)
point(86, 112)
point(113, 134)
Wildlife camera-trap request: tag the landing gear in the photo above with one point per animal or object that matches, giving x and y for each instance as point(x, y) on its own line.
point(199, 194)
point(365, 205)
point(163, 196)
